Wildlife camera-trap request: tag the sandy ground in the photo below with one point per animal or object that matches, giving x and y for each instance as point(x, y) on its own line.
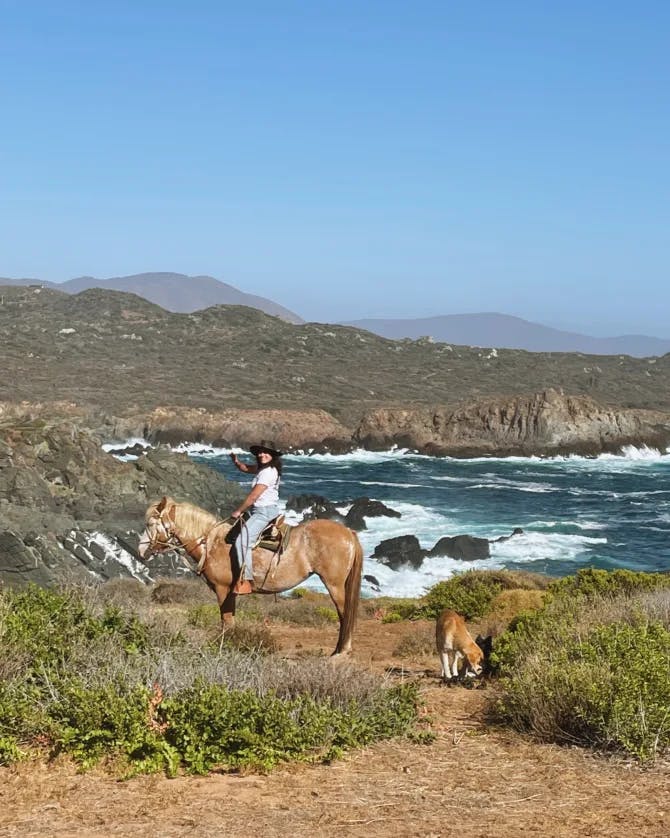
point(471, 781)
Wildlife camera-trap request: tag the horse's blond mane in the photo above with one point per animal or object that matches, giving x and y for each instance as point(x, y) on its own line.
point(187, 515)
point(193, 518)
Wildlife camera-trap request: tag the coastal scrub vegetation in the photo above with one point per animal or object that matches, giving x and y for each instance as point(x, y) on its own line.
point(473, 594)
point(141, 679)
point(97, 681)
point(592, 665)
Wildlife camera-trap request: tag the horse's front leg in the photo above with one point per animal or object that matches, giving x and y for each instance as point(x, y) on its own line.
point(227, 600)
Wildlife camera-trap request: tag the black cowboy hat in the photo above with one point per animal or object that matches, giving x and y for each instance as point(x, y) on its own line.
point(266, 445)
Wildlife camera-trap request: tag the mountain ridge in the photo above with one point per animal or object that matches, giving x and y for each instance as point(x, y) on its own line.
point(181, 293)
point(172, 291)
point(505, 331)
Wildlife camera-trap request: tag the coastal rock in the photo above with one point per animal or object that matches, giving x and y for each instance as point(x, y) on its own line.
point(399, 551)
point(363, 508)
point(546, 423)
point(292, 430)
point(317, 506)
point(542, 424)
point(299, 503)
point(313, 507)
point(70, 511)
point(406, 550)
point(515, 531)
point(468, 548)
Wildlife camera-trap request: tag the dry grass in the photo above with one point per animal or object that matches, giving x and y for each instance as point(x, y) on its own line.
point(417, 642)
point(181, 592)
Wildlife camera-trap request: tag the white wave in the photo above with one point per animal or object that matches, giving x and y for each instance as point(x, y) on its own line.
point(201, 449)
point(360, 455)
point(391, 485)
point(630, 452)
point(535, 488)
point(581, 525)
point(408, 582)
point(647, 493)
point(532, 546)
point(131, 442)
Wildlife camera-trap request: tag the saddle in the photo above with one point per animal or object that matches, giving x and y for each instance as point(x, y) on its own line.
point(274, 537)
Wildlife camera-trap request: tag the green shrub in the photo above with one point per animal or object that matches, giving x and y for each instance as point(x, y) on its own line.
point(22, 715)
point(10, 752)
point(590, 583)
point(378, 606)
point(76, 677)
point(392, 617)
point(211, 727)
point(591, 667)
point(469, 593)
point(44, 625)
point(204, 616)
point(302, 611)
point(107, 721)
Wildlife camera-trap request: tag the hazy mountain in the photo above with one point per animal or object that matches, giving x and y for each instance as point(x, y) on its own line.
point(174, 292)
point(507, 332)
point(185, 294)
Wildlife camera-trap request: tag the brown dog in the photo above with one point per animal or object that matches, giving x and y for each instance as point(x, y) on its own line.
point(455, 645)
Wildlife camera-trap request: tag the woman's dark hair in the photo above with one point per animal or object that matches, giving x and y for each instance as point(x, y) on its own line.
point(275, 461)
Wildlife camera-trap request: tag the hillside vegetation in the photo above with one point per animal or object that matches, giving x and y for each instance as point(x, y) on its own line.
point(118, 352)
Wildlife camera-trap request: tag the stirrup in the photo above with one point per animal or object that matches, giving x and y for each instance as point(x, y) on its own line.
point(243, 586)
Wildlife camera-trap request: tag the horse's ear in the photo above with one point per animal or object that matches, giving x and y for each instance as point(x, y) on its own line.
point(160, 506)
point(172, 512)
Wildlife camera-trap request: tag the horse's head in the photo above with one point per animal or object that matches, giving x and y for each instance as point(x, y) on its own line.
point(159, 532)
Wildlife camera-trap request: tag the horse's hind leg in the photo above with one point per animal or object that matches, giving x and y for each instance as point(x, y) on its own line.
point(337, 594)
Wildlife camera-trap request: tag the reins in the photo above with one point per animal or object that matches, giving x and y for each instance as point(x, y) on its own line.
point(201, 541)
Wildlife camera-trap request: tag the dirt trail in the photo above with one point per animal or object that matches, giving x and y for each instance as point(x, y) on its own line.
point(471, 781)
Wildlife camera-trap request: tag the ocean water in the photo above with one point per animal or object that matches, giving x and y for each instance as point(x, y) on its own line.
point(608, 512)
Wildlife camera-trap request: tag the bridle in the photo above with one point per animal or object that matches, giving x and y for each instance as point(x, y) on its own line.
point(171, 540)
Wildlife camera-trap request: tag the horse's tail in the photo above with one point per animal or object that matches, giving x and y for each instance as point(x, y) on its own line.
point(352, 595)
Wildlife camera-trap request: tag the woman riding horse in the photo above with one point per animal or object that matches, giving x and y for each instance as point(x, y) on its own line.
point(262, 502)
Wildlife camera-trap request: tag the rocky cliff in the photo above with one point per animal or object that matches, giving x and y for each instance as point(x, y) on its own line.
point(545, 423)
point(70, 511)
point(541, 424)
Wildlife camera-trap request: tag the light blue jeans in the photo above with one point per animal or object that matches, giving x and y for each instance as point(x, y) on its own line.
point(249, 531)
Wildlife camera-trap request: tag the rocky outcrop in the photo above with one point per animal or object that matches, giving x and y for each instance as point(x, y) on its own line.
point(295, 430)
point(546, 423)
point(70, 511)
point(467, 548)
point(542, 424)
point(316, 506)
point(363, 508)
point(405, 550)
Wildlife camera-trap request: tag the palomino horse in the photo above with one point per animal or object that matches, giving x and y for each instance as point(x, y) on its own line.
point(326, 548)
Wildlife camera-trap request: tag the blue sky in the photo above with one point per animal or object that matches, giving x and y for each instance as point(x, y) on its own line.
point(347, 159)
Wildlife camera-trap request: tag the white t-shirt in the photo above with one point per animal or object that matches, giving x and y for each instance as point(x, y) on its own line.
point(268, 476)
